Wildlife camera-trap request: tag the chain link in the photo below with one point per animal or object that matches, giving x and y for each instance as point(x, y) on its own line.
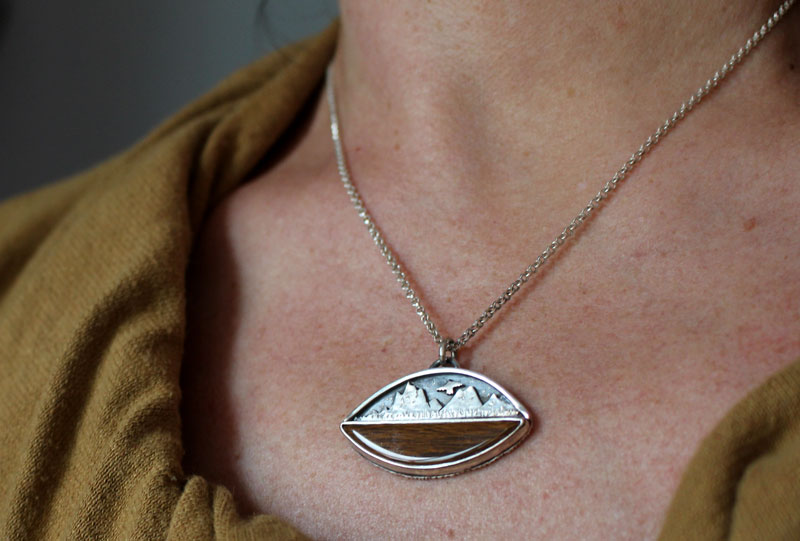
point(585, 213)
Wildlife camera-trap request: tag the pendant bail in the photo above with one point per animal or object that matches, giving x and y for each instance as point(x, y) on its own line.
point(447, 354)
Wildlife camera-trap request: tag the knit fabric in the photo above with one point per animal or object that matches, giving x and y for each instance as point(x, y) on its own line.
point(92, 317)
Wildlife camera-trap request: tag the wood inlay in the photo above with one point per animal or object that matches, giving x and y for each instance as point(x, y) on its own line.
point(429, 442)
point(436, 423)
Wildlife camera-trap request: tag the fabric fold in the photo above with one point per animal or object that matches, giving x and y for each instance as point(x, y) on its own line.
point(92, 317)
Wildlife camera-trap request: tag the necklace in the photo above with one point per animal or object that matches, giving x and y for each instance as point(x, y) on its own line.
point(447, 420)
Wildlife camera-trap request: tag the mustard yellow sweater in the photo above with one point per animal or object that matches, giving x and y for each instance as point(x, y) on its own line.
point(92, 317)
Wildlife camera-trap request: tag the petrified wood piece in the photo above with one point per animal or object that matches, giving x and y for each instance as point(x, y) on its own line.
point(437, 423)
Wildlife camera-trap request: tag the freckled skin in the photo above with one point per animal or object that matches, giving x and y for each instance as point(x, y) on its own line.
point(662, 351)
point(679, 298)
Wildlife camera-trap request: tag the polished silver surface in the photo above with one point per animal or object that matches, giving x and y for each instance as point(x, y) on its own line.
point(438, 397)
point(447, 354)
point(585, 213)
point(441, 395)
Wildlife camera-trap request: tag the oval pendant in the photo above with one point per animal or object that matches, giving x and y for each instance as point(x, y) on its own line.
point(437, 423)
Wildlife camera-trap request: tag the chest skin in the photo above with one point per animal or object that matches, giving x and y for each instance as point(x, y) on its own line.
point(624, 376)
point(677, 300)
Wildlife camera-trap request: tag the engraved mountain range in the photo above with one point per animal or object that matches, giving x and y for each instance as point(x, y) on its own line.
point(413, 403)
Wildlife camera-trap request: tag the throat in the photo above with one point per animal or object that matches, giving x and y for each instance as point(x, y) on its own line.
point(505, 59)
point(480, 103)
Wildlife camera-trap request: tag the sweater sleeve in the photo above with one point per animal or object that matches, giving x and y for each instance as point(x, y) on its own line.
point(92, 316)
point(743, 483)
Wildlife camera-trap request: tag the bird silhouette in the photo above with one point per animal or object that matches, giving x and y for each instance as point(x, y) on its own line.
point(450, 387)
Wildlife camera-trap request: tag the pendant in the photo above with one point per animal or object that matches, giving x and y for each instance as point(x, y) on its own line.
point(437, 423)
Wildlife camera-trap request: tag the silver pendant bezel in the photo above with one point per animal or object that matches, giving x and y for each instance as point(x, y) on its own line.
point(448, 468)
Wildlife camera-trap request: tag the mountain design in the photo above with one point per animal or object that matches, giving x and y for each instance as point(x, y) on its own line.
point(493, 403)
point(412, 403)
point(437, 422)
point(465, 398)
point(411, 399)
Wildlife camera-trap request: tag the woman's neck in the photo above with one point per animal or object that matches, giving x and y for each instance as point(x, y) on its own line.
point(510, 52)
point(485, 81)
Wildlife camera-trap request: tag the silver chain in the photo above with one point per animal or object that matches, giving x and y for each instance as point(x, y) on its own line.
point(569, 230)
